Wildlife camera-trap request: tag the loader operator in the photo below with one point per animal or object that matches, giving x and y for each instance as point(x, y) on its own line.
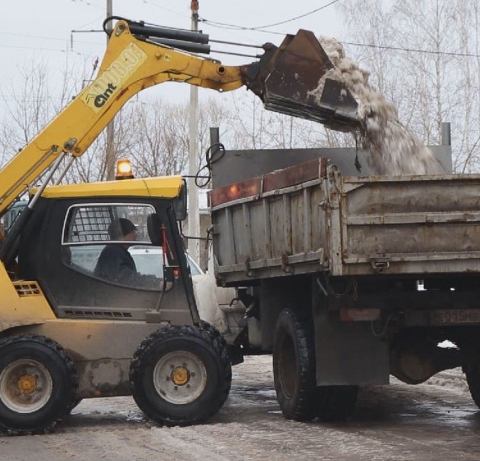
point(116, 263)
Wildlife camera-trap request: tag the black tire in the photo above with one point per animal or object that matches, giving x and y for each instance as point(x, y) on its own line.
point(472, 374)
point(335, 403)
point(181, 375)
point(294, 367)
point(74, 405)
point(38, 383)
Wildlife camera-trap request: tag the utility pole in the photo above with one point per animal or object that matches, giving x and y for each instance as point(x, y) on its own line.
point(193, 208)
point(110, 147)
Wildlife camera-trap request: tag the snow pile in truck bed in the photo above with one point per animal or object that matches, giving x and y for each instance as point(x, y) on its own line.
point(394, 149)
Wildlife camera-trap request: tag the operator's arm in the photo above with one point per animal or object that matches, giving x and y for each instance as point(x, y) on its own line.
point(115, 264)
point(130, 277)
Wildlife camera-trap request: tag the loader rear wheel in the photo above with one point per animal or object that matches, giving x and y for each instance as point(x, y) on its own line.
point(335, 403)
point(181, 375)
point(38, 383)
point(294, 367)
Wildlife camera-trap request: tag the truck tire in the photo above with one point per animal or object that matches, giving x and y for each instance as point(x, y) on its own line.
point(74, 405)
point(181, 375)
point(294, 367)
point(472, 374)
point(335, 403)
point(38, 383)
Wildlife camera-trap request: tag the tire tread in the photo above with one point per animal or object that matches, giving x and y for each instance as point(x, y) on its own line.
point(208, 335)
point(46, 426)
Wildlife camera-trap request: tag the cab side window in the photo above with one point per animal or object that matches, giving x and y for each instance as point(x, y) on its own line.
point(88, 230)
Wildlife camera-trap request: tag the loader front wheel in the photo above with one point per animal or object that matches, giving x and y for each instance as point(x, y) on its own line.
point(38, 383)
point(181, 375)
point(294, 367)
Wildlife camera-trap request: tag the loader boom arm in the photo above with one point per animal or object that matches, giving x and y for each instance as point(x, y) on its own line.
point(129, 66)
point(136, 58)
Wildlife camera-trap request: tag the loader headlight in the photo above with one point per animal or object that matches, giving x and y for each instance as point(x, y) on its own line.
point(124, 169)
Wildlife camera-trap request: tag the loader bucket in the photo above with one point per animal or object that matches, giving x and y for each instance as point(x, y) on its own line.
point(297, 68)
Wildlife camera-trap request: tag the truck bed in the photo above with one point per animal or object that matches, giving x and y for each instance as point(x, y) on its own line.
point(310, 218)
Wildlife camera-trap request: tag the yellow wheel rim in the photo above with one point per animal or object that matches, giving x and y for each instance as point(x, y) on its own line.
point(180, 376)
point(27, 384)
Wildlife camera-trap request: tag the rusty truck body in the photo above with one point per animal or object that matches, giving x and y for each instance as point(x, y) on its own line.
point(350, 277)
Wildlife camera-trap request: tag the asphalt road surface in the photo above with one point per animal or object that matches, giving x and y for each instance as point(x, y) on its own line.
point(433, 421)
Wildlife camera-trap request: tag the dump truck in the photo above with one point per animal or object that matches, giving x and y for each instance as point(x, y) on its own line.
point(67, 333)
point(347, 277)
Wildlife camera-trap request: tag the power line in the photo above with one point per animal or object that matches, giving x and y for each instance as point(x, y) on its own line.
point(43, 49)
point(31, 36)
point(365, 45)
point(414, 50)
point(258, 28)
point(38, 37)
point(298, 17)
point(161, 7)
point(88, 3)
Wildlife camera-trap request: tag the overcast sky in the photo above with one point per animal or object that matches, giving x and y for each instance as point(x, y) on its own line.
point(56, 30)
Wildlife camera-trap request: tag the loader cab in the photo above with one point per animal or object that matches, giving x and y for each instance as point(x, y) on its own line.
point(62, 245)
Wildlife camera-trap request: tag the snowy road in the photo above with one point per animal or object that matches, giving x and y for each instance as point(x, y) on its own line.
point(433, 421)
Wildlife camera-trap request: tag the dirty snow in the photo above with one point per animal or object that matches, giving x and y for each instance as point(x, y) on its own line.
point(393, 149)
point(434, 420)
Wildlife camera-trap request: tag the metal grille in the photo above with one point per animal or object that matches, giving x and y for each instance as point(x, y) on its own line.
point(97, 313)
point(27, 289)
point(90, 224)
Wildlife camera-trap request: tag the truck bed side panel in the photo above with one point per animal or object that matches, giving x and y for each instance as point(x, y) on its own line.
point(273, 235)
point(351, 226)
point(428, 224)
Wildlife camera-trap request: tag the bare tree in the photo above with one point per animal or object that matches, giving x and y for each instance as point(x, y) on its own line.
point(424, 57)
point(253, 127)
point(30, 103)
point(30, 106)
point(467, 108)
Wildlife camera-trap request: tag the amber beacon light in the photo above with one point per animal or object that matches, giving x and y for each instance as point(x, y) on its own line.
point(124, 169)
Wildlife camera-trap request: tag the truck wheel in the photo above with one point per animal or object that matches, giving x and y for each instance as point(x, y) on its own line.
point(335, 403)
point(74, 405)
point(181, 375)
point(38, 383)
point(472, 374)
point(294, 367)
